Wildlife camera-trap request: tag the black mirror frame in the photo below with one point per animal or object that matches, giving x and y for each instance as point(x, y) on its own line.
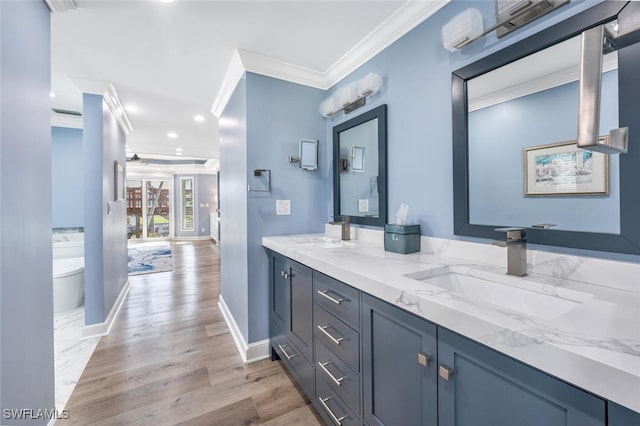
point(628, 241)
point(381, 114)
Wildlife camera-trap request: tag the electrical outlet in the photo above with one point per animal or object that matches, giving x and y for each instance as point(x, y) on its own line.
point(363, 205)
point(283, 207)
point(201, 229)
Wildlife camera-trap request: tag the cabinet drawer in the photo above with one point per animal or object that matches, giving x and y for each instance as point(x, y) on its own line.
point(301, 369)
point(343, 380)
point(338, 298)
point(332, 407)
point(337, 336)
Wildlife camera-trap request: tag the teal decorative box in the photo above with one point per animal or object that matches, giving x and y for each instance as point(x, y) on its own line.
point(403, 239)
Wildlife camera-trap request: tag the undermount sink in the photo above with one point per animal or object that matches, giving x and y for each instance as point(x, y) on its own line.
point(322, 241)
point(518, 295)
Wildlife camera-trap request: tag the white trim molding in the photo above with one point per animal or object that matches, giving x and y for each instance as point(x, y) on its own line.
point(403, 20)
point(233, 75)
point(56, 6)
point(103, 328)
point(66, 120)
point(110, 96)
point(249, 352)
point(188, 238)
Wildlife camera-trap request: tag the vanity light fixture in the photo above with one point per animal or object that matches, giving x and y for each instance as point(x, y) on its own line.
point(467, 26)
point(351, 96)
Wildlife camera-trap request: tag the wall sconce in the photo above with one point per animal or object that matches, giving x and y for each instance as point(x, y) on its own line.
point(466, 26)
point(307, 154)
point(351, 96)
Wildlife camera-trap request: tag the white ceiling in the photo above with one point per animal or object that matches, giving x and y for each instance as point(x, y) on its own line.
point(169, 60)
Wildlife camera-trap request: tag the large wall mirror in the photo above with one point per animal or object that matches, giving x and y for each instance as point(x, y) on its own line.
point(360, 168)
point(515, 115)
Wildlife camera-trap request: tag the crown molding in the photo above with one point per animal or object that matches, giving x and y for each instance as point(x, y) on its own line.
point(282, 70)
point(65, 120)
point(57, 6)
point(233, 75)
point(531, 86)
point(403, 20)
point(110, 96)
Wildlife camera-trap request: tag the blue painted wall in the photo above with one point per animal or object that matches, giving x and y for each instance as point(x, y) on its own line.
point(416, 72)
point(206, 198)
point(26, 292)
point(279, 114)
point(67, 178)
point(233, 207)
point(260, 127)
point(205, 188)
point(498, 136)
point(105, 238)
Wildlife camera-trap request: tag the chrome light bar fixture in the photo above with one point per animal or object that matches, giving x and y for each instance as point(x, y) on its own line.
point(352, 96)
point(467, 26)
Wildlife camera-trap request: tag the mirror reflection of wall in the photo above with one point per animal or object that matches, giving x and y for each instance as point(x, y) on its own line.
point(532, 102)
point(358, 145)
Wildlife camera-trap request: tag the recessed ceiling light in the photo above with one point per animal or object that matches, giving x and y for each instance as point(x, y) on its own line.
point(199, 118)
point(131, 108)
point(178, 153)
point(178, 149)
point(172, 135)
point(52, 95)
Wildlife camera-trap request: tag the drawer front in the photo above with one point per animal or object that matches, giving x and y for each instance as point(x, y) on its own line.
point(338, 298)
point(337, 336)
point(293, 359)
point(332, 407)
point(343, 380)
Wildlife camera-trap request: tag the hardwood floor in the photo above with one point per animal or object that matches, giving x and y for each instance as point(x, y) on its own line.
point(170, 360)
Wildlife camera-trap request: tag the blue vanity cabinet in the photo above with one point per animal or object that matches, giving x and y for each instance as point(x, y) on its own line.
point(478, 386)
point(336, 317)
point(399, 363)
point(620, 416)
point(290, 318)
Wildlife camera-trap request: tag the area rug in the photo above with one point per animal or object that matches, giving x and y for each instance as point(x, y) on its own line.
point(147, 258)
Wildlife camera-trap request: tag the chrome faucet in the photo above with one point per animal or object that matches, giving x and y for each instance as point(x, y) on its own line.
point(346, 226)
point(516, 245)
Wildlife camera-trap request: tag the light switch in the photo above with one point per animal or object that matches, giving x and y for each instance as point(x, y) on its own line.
point(283, 207)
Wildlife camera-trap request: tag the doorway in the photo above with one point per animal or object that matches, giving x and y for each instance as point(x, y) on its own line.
point(149, 212)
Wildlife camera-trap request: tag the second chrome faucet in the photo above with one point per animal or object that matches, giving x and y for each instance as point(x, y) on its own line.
point(516, 245)
point(346, 226)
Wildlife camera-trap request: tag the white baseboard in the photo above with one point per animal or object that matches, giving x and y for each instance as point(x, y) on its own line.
point(103, 328)
point(200, 238)
point(249, 352)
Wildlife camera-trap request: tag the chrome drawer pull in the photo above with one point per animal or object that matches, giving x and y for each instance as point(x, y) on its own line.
point(325, 293)
point(282, 348)
point(323, 365)
point(326, 333)
point(323, 401)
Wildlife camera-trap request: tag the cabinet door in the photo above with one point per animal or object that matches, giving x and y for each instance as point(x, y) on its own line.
point(621, 416)
point(399, 366)
point(478, 386)
point(278, 294)
point(300, 325)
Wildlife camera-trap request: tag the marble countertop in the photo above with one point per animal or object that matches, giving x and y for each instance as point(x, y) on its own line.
point(585, 334)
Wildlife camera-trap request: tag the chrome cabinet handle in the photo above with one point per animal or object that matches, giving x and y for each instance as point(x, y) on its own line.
point(323, 401)
point(284, 351)
point(445, 372)
point(284, 274)
point(326, 333)
point(423, 359)
point(337, 381)
point(325, 293)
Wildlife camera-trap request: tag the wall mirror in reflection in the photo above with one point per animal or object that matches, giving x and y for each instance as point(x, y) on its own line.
point(359, 148)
